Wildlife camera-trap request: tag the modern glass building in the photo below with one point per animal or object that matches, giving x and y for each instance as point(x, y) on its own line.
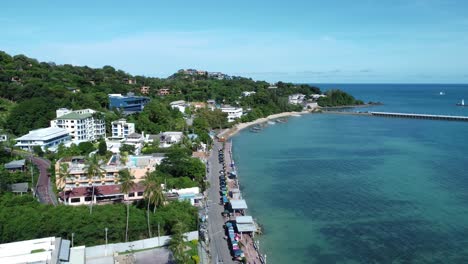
point(129, 103)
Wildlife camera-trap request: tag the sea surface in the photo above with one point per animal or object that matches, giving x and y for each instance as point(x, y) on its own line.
point(359, 189)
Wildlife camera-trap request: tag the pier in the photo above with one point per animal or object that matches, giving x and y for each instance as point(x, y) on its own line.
point(403, 115)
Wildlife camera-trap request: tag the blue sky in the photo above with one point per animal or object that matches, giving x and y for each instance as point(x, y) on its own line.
point(392, 41)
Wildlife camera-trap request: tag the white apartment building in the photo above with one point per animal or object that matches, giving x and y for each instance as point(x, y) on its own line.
point(121, 129)
point(296, 98)
point(83, 125)
point(233, 112)
point(46, 138)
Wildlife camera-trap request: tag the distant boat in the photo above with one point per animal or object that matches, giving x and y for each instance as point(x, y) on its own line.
point(256, 129)
point(442, 93)
point(271, 122)
point(462, 103)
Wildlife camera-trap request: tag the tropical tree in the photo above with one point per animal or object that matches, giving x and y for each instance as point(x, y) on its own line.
point(153, 194)
point(177, 243)
point(94, 169)
point(64, 171)
point(126, 185)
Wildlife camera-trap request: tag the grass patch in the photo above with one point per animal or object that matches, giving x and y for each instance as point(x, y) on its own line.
point(37, 250)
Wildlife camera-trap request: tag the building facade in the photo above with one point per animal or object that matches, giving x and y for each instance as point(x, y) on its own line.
point(233, 112)
point(121, 129)
point(46, 138)
point(77, 174)
point(129, 103)
point(179, 105)
point(296, 98)
point(82, 125)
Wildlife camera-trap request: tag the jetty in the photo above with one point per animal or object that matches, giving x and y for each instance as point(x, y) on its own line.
point(402, 115)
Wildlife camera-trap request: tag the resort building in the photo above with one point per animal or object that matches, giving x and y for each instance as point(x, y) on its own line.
point(233, 112)
point(46, 138)
point(102, 195)
point(121, 129)
point(296, 99)
point(78, 174)
point(129, 103)
point(82, 125)
point(179, 105)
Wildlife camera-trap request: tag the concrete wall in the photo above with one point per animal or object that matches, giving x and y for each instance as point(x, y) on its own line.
point(100, 251)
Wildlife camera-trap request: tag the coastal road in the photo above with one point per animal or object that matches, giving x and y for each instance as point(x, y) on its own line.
point(219, 249)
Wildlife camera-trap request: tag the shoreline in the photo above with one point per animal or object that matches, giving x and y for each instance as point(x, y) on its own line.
point(230, 132)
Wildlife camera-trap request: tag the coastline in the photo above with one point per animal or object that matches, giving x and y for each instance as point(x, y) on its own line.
point(228, 133)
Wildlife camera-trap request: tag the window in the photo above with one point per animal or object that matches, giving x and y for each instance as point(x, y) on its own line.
point(140, 194)
point(75, 200)
point(87, 199)
point(131, 194)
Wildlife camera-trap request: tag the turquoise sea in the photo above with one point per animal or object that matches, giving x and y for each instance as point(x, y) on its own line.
point(356, 189)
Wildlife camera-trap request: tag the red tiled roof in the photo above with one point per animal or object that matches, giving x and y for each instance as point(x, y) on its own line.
point(98, 191)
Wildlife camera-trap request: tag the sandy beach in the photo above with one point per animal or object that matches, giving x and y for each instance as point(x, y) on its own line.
point(238, 127)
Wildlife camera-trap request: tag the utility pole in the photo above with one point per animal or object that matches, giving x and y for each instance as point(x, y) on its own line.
point(159, 243)
point(73, 236)
point(32, 175)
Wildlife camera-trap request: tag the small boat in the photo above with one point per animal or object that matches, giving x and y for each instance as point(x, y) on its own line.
point(271, 122)
point(281, 120)
point(462, 103)
point(256, 129)
point(442, 93)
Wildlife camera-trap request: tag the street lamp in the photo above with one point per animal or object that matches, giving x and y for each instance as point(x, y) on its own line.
point(73, 236)
point(106, 239)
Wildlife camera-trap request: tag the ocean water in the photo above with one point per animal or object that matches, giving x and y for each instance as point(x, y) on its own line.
point(357, 189)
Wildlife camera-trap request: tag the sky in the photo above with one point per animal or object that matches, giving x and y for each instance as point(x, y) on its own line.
point(307, 41)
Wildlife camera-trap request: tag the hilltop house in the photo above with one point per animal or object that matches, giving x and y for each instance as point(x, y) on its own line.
point(164, 91)
point(145, 89)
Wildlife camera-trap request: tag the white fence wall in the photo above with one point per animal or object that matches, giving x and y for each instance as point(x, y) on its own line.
point(100, 251)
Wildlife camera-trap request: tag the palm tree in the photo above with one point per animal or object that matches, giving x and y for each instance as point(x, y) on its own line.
point(94, 169)
point(126, 185)
point(177, 243)
point(64, 171)
point(153, 194)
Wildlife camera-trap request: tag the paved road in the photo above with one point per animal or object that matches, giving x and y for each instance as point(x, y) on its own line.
point(218, 245)
point(44, 186)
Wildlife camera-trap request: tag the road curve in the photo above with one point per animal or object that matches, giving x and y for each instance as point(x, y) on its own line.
point(44, 187)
